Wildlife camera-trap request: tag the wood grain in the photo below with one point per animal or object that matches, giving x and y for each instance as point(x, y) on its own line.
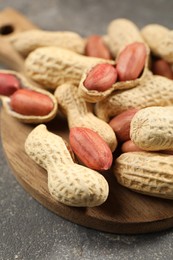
point(124, 212)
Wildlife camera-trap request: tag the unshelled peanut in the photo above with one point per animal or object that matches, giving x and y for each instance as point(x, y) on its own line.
point(27, 41)
point(120, 33)
point(152, 91)
point(79, 113)
point(53, 66)
point(69, 183)
point(146, 172)
point(160, 41)
point(151, 128)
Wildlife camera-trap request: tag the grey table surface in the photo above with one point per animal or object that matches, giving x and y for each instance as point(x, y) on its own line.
point(28, 231)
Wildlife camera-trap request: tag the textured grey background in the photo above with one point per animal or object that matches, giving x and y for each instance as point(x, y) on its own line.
point(28, 231)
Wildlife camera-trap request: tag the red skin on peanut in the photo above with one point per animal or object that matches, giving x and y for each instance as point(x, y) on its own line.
point(121, 124)
point(101, 77)
point(95, 47)
point(131, 61)
point(8, 84)
point(130, 146)
point(162, 68)
point(31, 103)
point(90, 148)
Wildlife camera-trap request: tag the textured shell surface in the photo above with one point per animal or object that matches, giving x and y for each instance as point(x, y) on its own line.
point(152, 128)
point(153, 34)
point(122, 32)
point(27, 41)
point(78, 186)
point(94, 96)
point(160, 41)
point(80, 113)
point(150, 173)
point(68, 182)
point(165, 47)
point(152, 91)
point(53, 66)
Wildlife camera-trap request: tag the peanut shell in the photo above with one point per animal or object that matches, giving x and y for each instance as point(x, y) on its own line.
point(160, 41)
point(152, 91)
point(28, 85)
point(151, 128)
point(95, 96)
point(53, 66)
point(68, 182)
point(27, 41)
point(121, 32)
point(146, 172)
point(79, 113)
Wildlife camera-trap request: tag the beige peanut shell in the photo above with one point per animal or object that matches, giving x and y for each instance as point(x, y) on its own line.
point(27, 41)
point(95, 96)
point(149, 173)
point(53, 66)
point(68, 182)
point(152, 91)
point(121, 32)
point(151, 128)
point(79, 113)
point(160, 40)
point(28, 85)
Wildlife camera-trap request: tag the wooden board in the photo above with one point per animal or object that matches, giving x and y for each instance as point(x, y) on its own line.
point(12, 22)
point(124, 212)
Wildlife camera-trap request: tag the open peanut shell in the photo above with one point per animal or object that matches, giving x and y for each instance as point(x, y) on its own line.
point(95, 96)
point(28, 118)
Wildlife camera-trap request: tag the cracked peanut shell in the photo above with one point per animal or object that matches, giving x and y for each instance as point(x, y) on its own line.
point(25, 84)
